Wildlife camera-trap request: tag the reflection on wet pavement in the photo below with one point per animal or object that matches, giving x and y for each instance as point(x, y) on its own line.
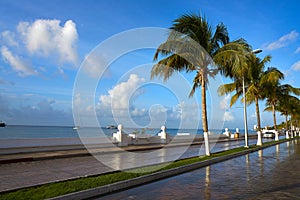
point(271, 173)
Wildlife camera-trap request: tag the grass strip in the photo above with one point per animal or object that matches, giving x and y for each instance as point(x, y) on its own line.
point(75, 185)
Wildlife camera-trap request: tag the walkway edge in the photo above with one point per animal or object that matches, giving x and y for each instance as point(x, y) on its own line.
point(103, 190)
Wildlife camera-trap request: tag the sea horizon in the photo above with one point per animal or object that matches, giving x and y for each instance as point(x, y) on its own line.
point(44, 131)
point(19, 136)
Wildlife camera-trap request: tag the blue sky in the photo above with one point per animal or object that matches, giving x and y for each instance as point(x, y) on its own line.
point(44, 43)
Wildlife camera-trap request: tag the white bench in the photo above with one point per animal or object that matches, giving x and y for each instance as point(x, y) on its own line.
point(183, 134)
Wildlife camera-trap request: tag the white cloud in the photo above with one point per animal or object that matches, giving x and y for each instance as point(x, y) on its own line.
point(187, 114)
point(118, 107)
point(77, 100)
point(297, 50)
point(183, 110)
point(228, 116)
point(95, 64)
point(9, 38)
point(282, 41)
point(224, 103)
point(296, 66)
point(118, 97)
point(34, 110)
point(60, 71)
point(45, 37)
point(136, 112)
point(17, 63)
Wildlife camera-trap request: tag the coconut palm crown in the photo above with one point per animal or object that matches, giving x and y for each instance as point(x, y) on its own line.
point(240, 63)
point(279, 98)
point(189, 47)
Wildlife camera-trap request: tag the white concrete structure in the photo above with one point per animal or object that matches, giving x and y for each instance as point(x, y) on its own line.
point(227, 133)
point(293, 132)
point(287, 136)
point(163, 134)
point(124, 139)
point(276, 136)
point(121, 137)
point(207, 149)
point(255, 127)
point(231, 136)
point(259, 140)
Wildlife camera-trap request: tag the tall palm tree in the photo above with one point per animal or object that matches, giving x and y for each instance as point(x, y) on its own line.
point(288, 105)
point(294, 111)
point(232, 60)
point(256, 79)
point(238, 62)
point(274, 91)
point(189, 42)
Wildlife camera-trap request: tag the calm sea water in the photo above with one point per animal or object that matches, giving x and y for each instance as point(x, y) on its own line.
point(41, 136)
point(31, 132)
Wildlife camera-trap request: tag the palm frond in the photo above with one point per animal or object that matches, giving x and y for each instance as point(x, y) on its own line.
point(226, 88)
point(268, 108)
point(271, 76)
point(234, 98)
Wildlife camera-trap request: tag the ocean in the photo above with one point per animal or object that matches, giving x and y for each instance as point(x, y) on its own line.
point(20, 136)
point(31, 132)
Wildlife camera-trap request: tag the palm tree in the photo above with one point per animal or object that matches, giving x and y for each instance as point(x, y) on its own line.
point(256, 79)
point(189, 42)
point(273, 92)
point(294, 111)
point(288, 105)
point(232, 59)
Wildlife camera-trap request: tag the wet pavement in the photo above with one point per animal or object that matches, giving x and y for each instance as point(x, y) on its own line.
point(24, 174)
point(271, 173)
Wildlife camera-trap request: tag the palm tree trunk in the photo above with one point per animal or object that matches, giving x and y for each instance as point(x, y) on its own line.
point(204, 111)
point(204, 114)
point(257, 114)
point(274, 116)
point(291, 119)
point(286, 122)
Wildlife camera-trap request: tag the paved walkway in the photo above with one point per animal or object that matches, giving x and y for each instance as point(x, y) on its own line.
point(48, 169)
point(76, 163)
point(271, 173)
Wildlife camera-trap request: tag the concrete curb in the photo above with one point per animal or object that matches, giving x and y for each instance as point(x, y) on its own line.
point(103, 190)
